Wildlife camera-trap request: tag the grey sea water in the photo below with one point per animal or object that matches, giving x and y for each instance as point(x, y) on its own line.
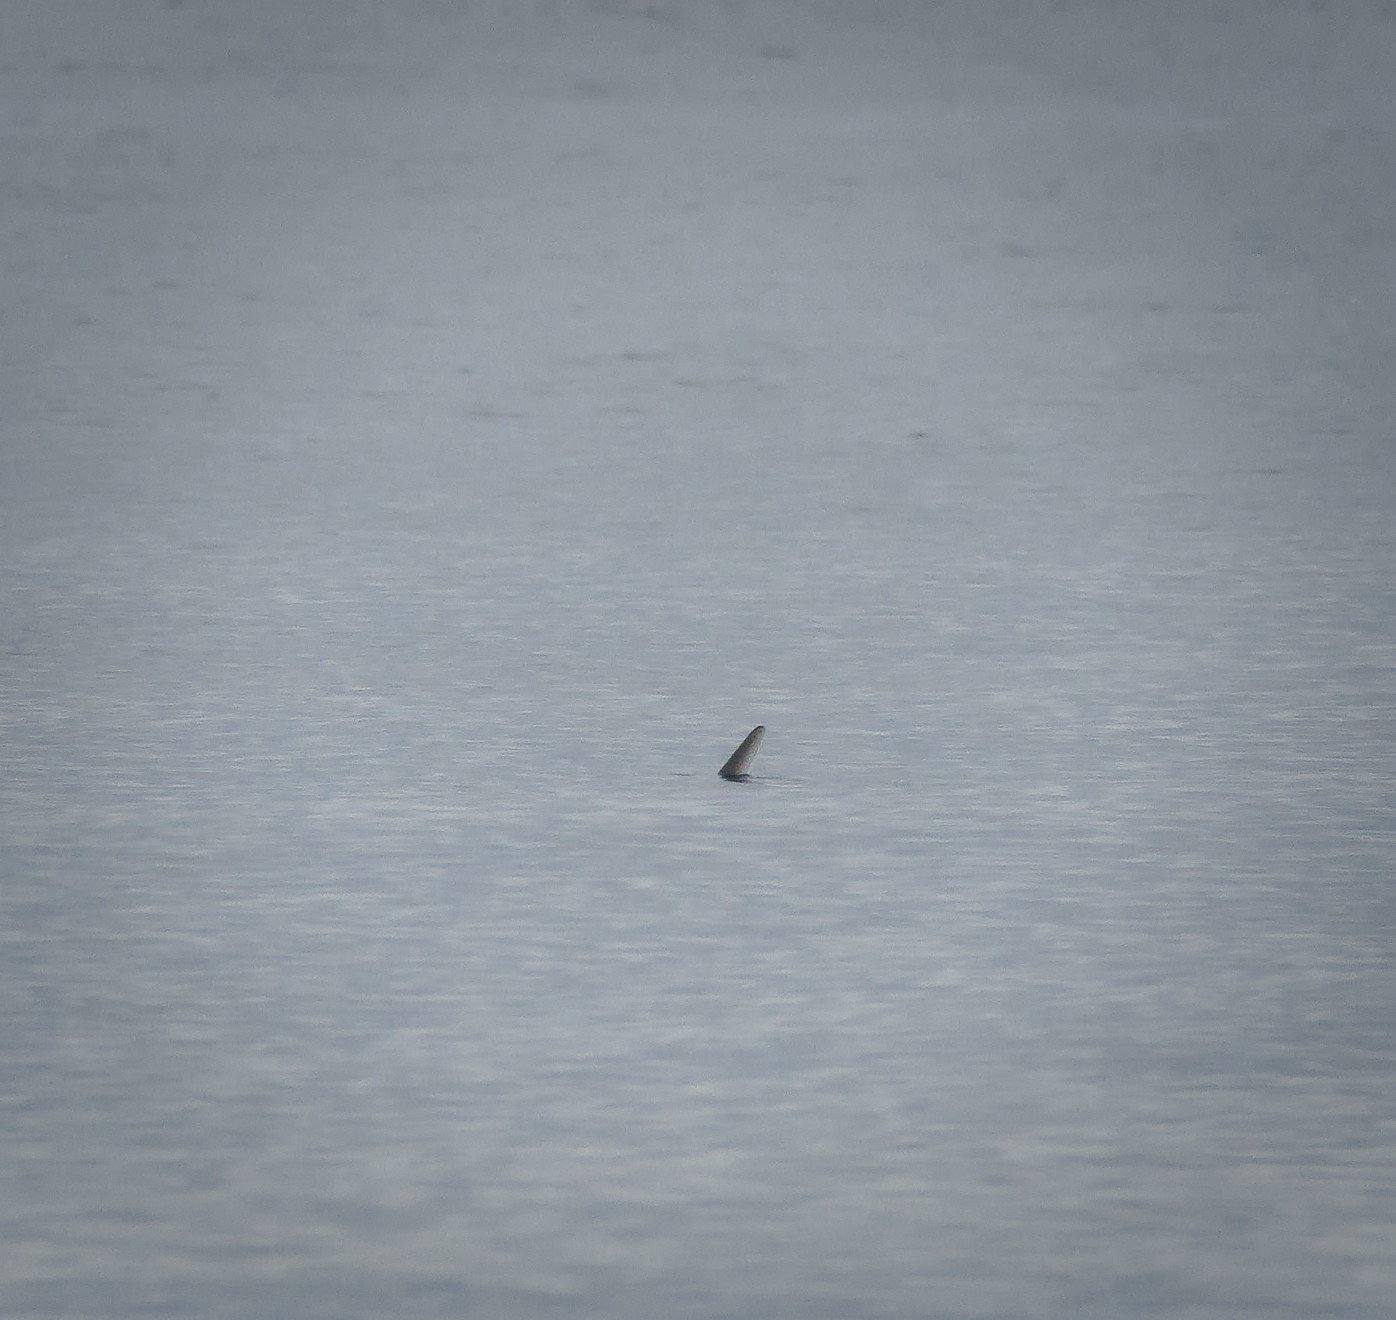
point(434, 435)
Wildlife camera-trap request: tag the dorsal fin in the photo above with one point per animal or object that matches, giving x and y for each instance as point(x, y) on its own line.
point(738, 762)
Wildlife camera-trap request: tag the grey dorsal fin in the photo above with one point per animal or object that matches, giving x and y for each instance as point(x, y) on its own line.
point(738, 762)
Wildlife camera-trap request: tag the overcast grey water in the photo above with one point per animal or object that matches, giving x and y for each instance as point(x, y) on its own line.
point(431, 437)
